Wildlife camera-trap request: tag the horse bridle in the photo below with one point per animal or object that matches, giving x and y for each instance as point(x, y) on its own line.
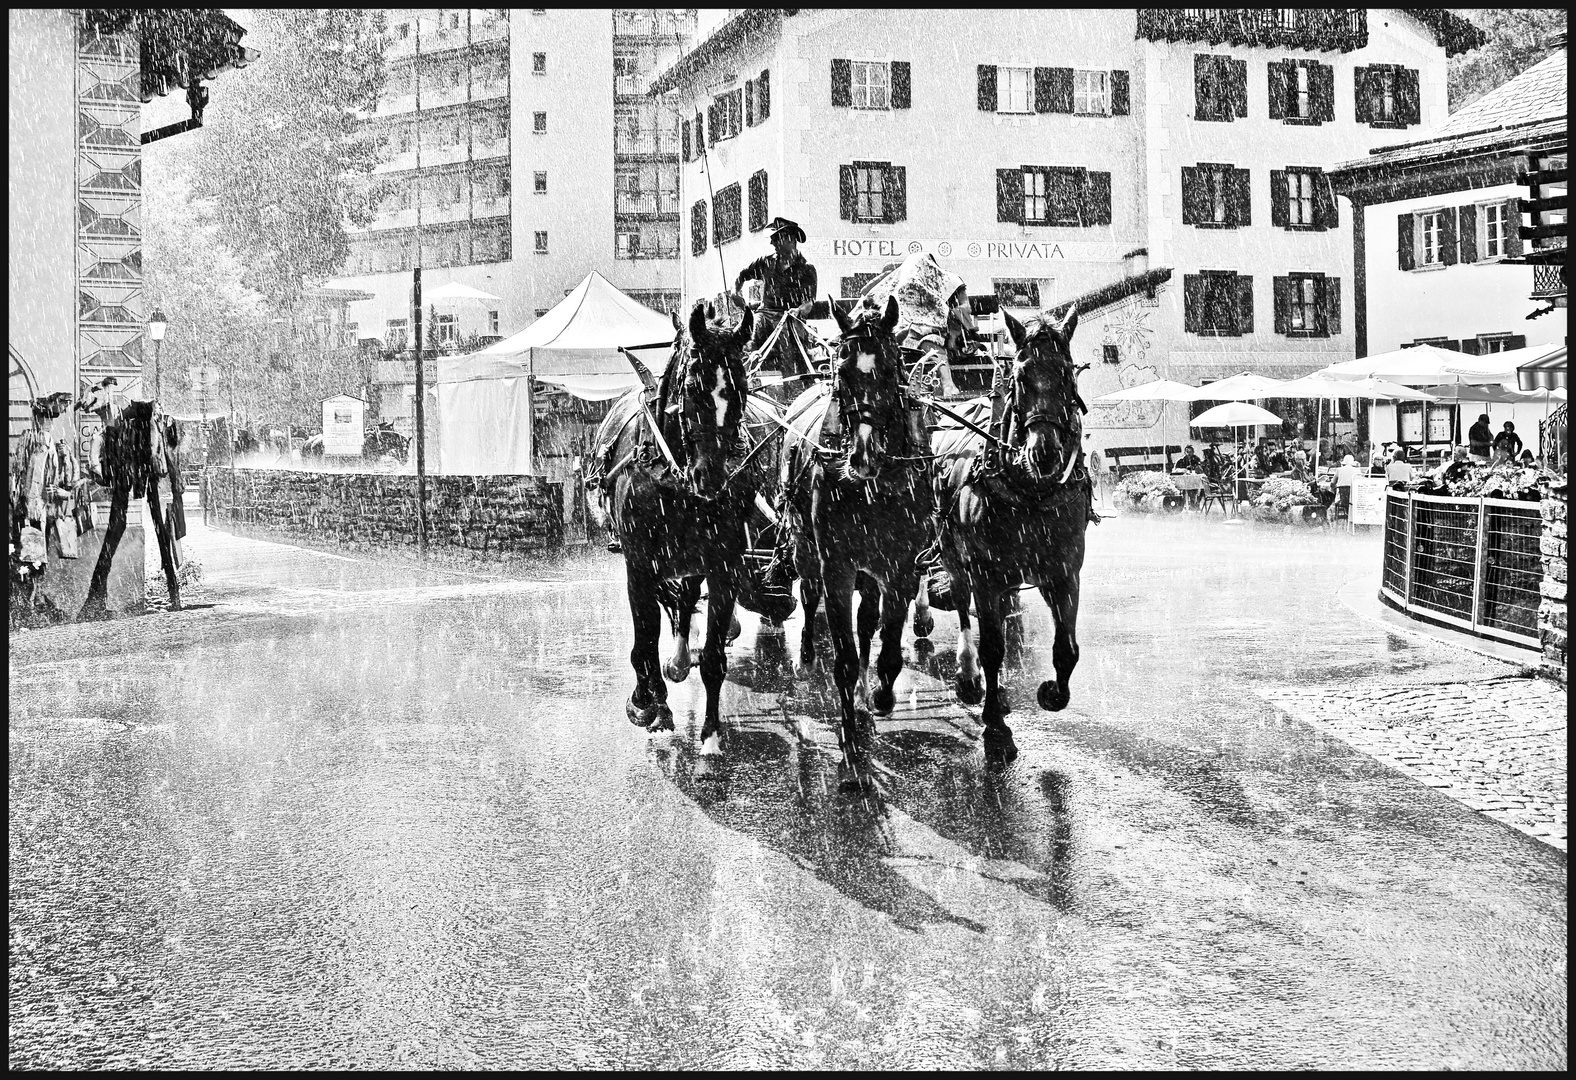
point(691, 433)
point(1061, 420)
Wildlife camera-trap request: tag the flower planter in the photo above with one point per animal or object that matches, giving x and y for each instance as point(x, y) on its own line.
point(1172, 504)
point(1312, 514)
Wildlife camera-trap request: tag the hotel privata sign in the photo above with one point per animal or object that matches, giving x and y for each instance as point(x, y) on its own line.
point(1025, 251)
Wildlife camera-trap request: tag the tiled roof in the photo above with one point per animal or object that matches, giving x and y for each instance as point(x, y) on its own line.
point(1454, 147)
point(1536, 94)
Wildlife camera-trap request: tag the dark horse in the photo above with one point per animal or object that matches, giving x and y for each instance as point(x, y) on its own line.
point(1017, 516)
point(858, 508)
point(678, 508)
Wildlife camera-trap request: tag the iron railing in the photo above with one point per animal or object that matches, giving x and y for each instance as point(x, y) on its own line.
point(1548, 281)
point(1471, 563)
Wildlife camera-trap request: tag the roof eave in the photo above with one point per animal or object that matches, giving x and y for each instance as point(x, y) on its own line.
point(717, 42)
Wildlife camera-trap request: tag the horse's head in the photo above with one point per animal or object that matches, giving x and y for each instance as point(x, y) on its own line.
point(710, 399)
point(1046, 409)
point(869, 382)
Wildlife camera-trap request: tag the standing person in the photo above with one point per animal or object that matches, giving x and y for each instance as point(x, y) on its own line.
point(1096, 465)
point(1481, 438)
point(1508, 441)
point(1345, 476)
point(788, 283)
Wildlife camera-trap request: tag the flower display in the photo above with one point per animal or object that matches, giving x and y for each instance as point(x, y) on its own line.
point(1146, 490)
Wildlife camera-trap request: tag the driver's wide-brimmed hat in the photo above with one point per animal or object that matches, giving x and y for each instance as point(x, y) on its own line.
point(782, 224)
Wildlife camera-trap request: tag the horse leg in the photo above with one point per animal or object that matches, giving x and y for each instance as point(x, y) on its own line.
point(714, 658)
point(869, 618)
point(967, 683)
point(677, 668)
point(889, 665)
point(810, 599)
point(1061, 596)
point(96, 606)
point(998, 736)
point(924, 621)
point(648, 705)
point(166, 540)
point(839, 590)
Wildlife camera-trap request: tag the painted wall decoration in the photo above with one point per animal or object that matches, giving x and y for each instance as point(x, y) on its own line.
point(1126, 326)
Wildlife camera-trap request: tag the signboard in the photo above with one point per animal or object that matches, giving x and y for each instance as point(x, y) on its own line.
point(343, 418)
point(1023, 250)
point(1368, 501)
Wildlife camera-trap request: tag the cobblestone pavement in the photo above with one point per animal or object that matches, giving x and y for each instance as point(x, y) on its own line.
point(1498, 746)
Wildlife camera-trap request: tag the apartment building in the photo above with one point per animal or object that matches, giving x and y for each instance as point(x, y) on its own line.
point(520, 152)
point(1043, 153)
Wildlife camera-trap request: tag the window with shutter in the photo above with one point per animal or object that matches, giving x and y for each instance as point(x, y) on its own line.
point(1009, 195)
point(1326, 211)
point(897, 193)
point(1299, 198)
point(841, 80)
point(726, 215)
point(902, 86)
point(1330, 304)
point(1323, 92)
point(684, 137)
point(749, 102)
point(1487, 231)
point(1408, 103)
point(1121, 104)
point(985, 96)
point(1280, 82)
point(1302, 304)
point(1218, 300)
point(845, 192)
point(869, 85)
point(1241, 198)
point(758, 216)
point(1092, 93)
point(1097, 198)
point(1243, 311)
point(698, 228)
point(1014, 90)
point(1405, 249)
point(1280, 293)
point(1447, 237)
point(1513, 247)
point(1237, 81)
point(1280, 212)
point(763, 97)
point(1193, 303)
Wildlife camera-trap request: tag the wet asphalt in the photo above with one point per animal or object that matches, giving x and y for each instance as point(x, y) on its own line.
point(370, 815)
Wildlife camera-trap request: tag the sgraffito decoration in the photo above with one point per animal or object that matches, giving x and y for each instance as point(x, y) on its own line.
point(1127, 327)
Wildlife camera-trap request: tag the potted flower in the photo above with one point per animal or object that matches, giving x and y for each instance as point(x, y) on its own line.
point(1147, 491)
point(1278, 496)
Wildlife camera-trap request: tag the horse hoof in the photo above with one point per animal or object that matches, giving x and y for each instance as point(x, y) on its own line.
point(711, 746)
point(1053, 696)
point(923, 625)
point(639, 715)
point(661, 718)
point(674, 673)
point(882, 700)
point(970, 691)
point(999, 745)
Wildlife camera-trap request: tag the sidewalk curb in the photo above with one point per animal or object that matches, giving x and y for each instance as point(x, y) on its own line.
point(1361, 596)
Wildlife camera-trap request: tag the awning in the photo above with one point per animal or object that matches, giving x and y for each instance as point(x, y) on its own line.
point(594, 387)
point(1546, 372)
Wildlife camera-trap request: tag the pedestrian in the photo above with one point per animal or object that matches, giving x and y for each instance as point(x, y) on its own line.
point(1508, 442)
point(1345, 476)
point(1481, 438)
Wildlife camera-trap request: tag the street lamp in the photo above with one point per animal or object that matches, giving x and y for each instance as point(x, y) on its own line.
point(156, 332)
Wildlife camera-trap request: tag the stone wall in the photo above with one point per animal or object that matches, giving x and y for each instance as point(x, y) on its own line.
point(1551, 610)
point(478, 513)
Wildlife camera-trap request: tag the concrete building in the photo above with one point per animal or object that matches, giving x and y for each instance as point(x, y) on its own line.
point(520, 152)
point(1034, 151)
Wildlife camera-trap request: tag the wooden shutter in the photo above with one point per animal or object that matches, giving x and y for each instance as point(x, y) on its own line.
point(1121, 95)
point(698, 228)
point(1364, 96)
point(1009, 195)
point(1466, 345)
point(749, 102)
point(763, 96)
point(1467, 237)
point(1204, 89)
point(684, 131)
point(1513, 246)
point(1239, 200)
point(1237, 80)
point(758, 201)
point(986, 95)
point(1192, 195)
point(895, 193)
point(1405, 241)
point(1326, 211)
point(1042, 90)
point(902, 91)
point(1097, 198)
point(1062, 90)
point(711, 124)
point(1280, 213)
point(1517, 341)
point(1281, 294)
point(700, 135)
point(842, 83)
point(1243, 309)
point(1330, 305)
point(1408, 101)
point(1447, 237)
point(1321, 87)
point(1280, 87)
point(1194, 290)
point(846, 199)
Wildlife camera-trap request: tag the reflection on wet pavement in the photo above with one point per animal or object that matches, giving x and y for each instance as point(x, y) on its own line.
point(336, 822)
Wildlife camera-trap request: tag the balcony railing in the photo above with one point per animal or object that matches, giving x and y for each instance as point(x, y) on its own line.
point(646, 202)
point(652, 24)
point(1323, 29)
point(645, 142)
point(1548, 281)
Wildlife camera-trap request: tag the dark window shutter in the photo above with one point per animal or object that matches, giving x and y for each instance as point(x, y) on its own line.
point(1009, 195)
point(1321, 88)
point(1042, 90)
point(1192, 195)
point(758, 201)
point(1363, 96)
point(1062, 90)
point(684, 130)
point(1204, 90)
point(842, 80)
point(1470, 346)
point(1330, 304)
point(1097, 198)
point(1408, 100)
point(902, 92)
point(698, 228)
point(1405, 242)
point(1517, 341)
point(986, 96)
point(1513, 246)
point(1239, 198)
point(1467, 234)
point(895, 196)
point(1121, 94)
point(1326, 211)
point(700, 135)
point(1321, 326)
point(1281, 293)
point(1244, 305)
point(1238, 81)
point(1447, 237)
point(749, 102)
point(845, 192)
point(1280, 213)
point(1280, 87)
point(763, 96)
point(1194, 288)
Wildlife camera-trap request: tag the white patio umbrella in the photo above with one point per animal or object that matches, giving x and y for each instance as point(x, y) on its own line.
point(1234, 414)
point(1501, 366)
point(1158, 390)
point(1420, 365)
point(1323, 387)
point(1240, 387)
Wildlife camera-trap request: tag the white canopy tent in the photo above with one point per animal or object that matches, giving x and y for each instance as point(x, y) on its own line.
point(485, 411)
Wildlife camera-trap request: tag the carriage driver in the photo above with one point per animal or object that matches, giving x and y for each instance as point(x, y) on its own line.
point(787, 280)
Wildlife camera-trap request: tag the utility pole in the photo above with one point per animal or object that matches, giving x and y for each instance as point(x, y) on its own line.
point(415, 317)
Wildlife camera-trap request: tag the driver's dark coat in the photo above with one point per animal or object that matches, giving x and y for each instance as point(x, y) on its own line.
point(784, 285)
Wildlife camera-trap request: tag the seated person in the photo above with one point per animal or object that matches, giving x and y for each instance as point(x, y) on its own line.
point(1261, 457)
point(1213, 465)
point(1456, 467)
point(1508, 441)
point(1278, 461)
point(1528, 461)
point(1346, 475)
point(1189, 461)
point(1399, 470)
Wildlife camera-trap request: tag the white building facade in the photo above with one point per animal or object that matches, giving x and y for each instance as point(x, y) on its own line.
point(1031, 150)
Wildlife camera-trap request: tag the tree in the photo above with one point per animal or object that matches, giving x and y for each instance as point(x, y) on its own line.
point(1517, 39)
point(285, 163)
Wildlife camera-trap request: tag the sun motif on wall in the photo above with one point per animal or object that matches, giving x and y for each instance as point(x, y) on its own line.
point(1128, 329)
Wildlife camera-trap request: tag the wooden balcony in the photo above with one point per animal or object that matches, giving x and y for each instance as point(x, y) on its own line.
point(1319, 29)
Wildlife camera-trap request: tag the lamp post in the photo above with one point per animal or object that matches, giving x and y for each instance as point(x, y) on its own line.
point(156, 327)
